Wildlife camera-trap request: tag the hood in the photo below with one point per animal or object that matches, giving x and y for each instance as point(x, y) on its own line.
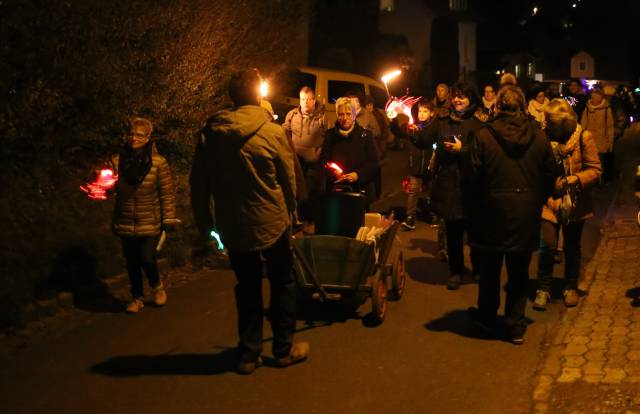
point(513, 133)
point(238, 123)
point(592, 108)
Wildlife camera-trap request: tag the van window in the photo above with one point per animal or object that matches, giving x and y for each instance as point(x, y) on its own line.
point(290, 83)
point(379, 96)
point(340, 88)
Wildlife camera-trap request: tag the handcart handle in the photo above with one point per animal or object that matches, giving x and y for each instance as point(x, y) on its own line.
point(303, 260)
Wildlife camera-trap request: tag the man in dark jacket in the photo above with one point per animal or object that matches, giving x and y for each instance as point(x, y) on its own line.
point(353, 149)
point(510, 173)
point(245, 162)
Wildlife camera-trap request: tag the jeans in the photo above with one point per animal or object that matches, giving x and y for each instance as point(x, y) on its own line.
point(248, 291)
point(489, 286)
point(572, 233)
point(140, 255)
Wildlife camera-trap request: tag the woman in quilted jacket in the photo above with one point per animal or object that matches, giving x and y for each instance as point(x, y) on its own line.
point(576, 154)
point(145, 204)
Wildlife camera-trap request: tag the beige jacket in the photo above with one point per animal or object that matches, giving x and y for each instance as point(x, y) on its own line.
point(582, 161)
point(599, 121)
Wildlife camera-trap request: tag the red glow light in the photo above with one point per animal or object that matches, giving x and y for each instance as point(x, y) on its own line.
point(335, 167)
point(97, 190)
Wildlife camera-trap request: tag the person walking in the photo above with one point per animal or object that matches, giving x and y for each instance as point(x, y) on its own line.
point(598, 119)
point(245, 162)
point(577, 156)
point(144, 206)
point(509, 174)
point(452, 132)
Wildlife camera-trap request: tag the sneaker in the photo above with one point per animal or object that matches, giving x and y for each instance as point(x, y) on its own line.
point(571, 298)
point(160, 295)
point(298, 353)
point(247, 367)
point(409, 223)
point(135, 306)
point(516, 335)
point(542, 298)
point(453, 283)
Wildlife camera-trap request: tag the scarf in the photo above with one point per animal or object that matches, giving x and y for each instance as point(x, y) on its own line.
point(135, 164)
point(489, 104)
point(345, 133)
point(464, 114)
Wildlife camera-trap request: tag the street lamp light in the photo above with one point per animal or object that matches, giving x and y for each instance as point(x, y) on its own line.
point(387, 77)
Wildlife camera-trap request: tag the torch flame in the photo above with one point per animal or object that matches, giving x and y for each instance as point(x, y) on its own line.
point(264, 88)
point(97, 190)
point(403, 105)
point(387, 77)
point(335, 167)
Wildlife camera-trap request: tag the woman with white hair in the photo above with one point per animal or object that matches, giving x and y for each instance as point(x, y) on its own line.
point(353, 149)
point(577, 156)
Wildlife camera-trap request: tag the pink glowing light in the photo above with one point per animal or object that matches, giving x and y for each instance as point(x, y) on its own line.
point(402, 105)
point(335, 167)
point(97, 190)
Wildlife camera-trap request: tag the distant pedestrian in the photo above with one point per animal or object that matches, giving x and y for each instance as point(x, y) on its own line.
point(442, 101)
point(510, 174)
point(245, 162)
point(574, 94)
point(598, 119)
point(452, 132)
point(489, 99)
point(144, 206)
point(508, 79)
point(537, 103)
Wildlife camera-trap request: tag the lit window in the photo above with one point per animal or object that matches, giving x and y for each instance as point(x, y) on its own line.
point(530, 71)
point(517, 71)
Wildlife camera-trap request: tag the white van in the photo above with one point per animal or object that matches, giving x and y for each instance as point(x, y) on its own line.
point(329, 85)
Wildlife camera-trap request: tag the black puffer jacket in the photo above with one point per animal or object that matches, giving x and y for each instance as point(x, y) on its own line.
point(446, 193)
point(509, 175)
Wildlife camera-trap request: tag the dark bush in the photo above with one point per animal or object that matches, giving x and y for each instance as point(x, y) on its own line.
point(74, 72)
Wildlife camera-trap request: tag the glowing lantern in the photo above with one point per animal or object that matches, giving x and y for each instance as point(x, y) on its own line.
point(264, 89)
point(97, 190)
point(402, 105)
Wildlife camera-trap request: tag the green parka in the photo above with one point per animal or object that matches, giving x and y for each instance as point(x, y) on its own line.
point(142, 211)
point(245, 162)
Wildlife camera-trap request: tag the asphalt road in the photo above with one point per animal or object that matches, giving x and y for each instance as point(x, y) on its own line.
point(422, 359)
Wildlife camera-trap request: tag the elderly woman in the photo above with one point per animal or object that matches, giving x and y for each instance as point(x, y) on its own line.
point(451, 132)
point(577, 157)
point(353, 149)
point(145, 204)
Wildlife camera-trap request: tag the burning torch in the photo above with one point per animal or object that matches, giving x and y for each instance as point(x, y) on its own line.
point(387, 77)
point(97, 190)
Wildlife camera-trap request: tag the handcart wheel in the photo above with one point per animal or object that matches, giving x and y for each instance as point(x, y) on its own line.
point(379, 296)
point(398, 276)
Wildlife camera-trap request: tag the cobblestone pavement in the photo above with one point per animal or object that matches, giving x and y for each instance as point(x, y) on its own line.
point(593, 360)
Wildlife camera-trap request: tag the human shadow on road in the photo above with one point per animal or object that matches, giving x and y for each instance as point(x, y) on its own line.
point(634, 293)
point(98, 300)
point(168, 364)
point(458, 322)
point(316, 313)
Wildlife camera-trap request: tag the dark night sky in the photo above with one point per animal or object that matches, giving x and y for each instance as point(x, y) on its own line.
point(606, 27)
